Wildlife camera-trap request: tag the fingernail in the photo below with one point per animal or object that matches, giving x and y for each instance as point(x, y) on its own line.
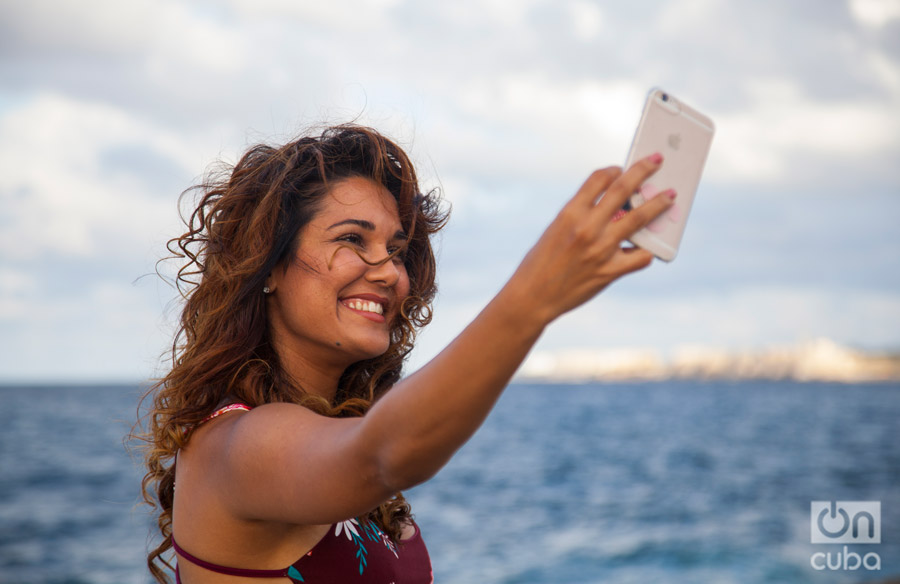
point(655, 158)
point(671, 194)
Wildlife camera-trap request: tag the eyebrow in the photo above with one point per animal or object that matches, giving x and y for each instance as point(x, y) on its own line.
point(367, 225)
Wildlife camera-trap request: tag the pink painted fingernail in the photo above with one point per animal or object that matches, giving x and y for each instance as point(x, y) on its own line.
point(655, 158)
point(649, 190)
point(671, 194)
point(674, 213)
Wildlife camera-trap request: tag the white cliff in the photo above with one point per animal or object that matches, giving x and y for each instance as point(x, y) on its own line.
point(818, 360)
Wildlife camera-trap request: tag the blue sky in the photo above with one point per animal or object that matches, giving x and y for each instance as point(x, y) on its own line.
point(109, 109)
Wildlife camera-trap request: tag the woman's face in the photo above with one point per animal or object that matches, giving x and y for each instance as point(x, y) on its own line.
point(329, 305)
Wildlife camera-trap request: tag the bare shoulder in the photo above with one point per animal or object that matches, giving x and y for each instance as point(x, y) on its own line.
point(273, 416)
point(231, 487)
point(279, 426)
point(238, 441)
point(285, 462)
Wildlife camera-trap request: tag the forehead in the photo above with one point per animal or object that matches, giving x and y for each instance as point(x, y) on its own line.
point(359, 198)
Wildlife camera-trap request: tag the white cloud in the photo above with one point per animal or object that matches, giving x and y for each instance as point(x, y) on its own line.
point(587, 19)
point(513, 101)
point(742, 318)
point(886, 71)
point(746, 318)
point(16, 285)
point(155, 31)
point(534, 125)
point(539, 126)
point(761, 142)
point(875, 13)
point(688, 19)
point(58, 196)
point(113, 331)
point(344, 15)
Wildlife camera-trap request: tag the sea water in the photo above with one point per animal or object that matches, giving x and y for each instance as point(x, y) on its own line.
point(650, 482)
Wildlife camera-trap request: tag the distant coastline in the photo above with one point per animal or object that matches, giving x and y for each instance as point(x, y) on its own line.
point(817, 360)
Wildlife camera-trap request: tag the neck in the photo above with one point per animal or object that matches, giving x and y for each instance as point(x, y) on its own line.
point(316, 376)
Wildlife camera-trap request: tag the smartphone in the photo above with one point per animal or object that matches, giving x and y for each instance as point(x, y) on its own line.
point(683, 136)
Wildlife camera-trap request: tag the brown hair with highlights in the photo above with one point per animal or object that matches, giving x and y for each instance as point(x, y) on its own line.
point(246, 222)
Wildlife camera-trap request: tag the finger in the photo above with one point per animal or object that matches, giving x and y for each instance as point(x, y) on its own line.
point(638, 218)
point(595, 185)
point(631, 259)
point(625, 185)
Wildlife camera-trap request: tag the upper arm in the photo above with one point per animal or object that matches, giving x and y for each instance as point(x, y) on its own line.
point(283, 462)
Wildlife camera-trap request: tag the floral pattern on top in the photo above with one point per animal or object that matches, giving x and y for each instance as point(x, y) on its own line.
point(352, 527)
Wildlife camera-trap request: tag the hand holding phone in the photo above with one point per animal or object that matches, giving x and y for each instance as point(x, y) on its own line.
point(683, 136)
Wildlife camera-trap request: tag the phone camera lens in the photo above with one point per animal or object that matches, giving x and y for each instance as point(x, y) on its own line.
point(665, 97)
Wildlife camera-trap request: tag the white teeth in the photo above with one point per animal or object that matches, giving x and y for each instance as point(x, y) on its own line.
point(366, 306)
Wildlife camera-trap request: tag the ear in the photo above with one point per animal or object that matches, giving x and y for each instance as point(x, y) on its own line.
point(270, 284)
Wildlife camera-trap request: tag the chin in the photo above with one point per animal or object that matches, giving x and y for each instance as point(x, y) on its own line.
point(371, 350)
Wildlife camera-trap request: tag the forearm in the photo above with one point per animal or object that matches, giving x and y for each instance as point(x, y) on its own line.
point(427, 416)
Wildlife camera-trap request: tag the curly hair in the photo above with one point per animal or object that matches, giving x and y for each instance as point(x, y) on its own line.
point(247, 222)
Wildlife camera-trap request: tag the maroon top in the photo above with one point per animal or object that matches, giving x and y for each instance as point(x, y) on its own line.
point(352, 551)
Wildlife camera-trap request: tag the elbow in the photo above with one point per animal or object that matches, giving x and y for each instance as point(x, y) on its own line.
point(402, 458)
point(404, 469)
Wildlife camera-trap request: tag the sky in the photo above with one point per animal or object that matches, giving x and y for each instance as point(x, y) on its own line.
point(110, 109)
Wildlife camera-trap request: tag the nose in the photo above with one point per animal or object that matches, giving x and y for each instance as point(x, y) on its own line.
point(386, 272)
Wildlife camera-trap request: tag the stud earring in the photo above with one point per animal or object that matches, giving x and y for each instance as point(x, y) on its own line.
point(267, 290)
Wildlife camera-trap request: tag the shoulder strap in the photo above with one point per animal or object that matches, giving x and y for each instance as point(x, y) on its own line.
point(225, 410)
point(229, 571)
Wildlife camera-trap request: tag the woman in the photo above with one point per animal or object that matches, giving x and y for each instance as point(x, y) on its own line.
point(283, 430)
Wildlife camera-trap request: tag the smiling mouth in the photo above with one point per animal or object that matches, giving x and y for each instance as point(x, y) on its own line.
point(364, 306)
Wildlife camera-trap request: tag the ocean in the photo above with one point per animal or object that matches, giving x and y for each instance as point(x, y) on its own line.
point(634, 482)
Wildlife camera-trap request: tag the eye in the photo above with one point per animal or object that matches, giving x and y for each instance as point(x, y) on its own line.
point(352, 238)
point(400, 250)
point(400, 258)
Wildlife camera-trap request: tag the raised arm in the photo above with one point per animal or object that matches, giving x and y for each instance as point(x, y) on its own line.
point(441, 405)
point(304, 468)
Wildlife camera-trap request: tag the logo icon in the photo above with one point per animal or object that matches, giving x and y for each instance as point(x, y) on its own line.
point(674, 141)
point(845, 521)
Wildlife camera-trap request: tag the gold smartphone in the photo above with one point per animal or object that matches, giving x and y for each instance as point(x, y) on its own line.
point(683, 136)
